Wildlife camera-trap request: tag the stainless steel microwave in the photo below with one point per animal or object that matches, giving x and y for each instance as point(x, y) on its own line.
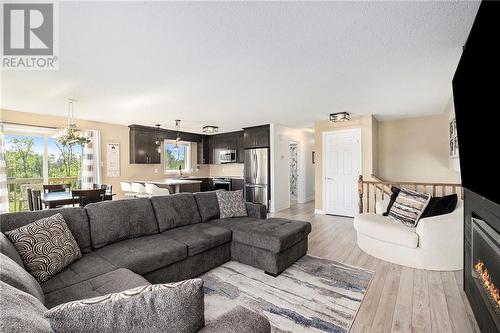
point(227, 156)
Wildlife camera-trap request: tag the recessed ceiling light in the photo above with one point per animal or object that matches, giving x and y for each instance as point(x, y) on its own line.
point(339, 116)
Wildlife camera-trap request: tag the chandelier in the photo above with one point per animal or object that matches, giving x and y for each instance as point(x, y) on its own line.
point(71, 135)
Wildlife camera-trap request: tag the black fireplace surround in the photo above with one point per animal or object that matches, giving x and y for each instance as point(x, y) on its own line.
point(482, 259)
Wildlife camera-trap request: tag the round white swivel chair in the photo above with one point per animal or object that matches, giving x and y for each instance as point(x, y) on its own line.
point(139, 190)
point(126, 188)
point(153, 189)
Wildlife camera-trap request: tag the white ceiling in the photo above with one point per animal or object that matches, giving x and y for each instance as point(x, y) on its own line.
point(237, 64)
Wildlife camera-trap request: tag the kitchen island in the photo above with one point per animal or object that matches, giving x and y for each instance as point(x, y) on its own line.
point(177, 184)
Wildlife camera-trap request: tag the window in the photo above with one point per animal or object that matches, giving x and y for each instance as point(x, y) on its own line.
point(33, 158)
point(177, 158)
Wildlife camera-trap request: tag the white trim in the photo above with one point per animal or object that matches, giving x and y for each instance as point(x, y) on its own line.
point(319, 212)
point(323, 155)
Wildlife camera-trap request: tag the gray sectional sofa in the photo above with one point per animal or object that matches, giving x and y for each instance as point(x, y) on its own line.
point(129, 243)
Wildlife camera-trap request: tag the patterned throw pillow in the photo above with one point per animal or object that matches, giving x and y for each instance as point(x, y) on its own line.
point(46, 246)
point(231, 204)
point(409, 206)
point(173, 307)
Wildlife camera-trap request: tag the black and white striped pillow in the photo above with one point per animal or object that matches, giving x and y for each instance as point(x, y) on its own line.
point(409, 206)
point(46, 246)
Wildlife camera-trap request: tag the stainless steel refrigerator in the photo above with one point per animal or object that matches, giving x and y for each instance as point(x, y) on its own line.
point(257, 175)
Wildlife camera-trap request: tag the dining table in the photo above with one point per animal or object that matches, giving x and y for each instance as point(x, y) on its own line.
point(56, 199)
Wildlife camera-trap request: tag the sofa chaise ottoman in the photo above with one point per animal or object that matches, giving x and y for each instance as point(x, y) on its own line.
point(271, 245)
point(125, 243)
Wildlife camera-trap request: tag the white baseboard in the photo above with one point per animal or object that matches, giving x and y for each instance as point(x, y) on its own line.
point(319, 212)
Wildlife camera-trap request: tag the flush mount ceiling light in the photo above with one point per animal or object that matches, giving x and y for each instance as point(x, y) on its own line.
point(339, 116)
point(210, 129)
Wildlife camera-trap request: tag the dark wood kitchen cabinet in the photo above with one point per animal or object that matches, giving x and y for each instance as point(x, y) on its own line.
point(256, 137)
point(211, 145)
point(204, 154)
point(237, 184)
point(143, 149)
point(207, 184)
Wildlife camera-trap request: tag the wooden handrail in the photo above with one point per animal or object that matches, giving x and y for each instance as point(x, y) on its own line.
point(384, 187)
point(377, 178)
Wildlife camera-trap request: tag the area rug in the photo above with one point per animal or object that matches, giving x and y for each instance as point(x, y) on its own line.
point(312, 295)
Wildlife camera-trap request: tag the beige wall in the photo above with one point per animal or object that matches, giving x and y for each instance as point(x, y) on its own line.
point(416, 149)
point(109, 133)
point(368, 125)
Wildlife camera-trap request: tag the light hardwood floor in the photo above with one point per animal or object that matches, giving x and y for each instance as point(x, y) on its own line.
point(399, 299)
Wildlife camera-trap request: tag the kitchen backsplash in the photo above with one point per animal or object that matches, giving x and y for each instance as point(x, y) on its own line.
point(226, 170)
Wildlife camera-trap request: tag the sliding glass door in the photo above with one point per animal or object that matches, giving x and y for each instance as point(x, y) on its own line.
point(34, 158)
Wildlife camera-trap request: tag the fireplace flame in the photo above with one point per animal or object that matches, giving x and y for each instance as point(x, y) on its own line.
point(491, 289)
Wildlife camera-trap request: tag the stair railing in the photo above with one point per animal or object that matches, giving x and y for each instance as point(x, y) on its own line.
point(370, 191)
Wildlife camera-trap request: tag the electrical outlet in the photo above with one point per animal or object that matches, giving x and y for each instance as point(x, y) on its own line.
point(156, 170)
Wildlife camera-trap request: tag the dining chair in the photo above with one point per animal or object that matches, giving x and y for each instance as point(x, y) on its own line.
point(126, 188)
point(108, 188)
point(89, 196)
point(56, 188)
point(154, 189)
point(139, 190)
point(29, 198)
point(36, 197)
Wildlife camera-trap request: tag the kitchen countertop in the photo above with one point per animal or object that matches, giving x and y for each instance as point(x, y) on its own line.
point(211, 177)
point(169, 181)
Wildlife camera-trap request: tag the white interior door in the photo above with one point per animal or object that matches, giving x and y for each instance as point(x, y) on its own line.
point(341, 169)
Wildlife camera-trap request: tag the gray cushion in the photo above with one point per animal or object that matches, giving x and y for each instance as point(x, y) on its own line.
point(76, 219)
point(273, 234)
point(199, 237)
point(90, 265)
point(155, 308)
point(144, 254)
point(7, 248)
point(20, 312)
point(238, 320)
point(111, 282)
point(231, 222)
point(175, 210)
point(208, 206)
point(256, 210)
point(231, 204)
point(46, 246)
point(113, 221)
point(14, 275)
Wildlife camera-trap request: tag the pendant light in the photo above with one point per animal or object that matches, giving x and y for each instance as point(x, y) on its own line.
point(177, 128)
point(158, 140)
point(71, 135)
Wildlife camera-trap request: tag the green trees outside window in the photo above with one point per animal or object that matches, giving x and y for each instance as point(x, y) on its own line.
point(35, 160)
